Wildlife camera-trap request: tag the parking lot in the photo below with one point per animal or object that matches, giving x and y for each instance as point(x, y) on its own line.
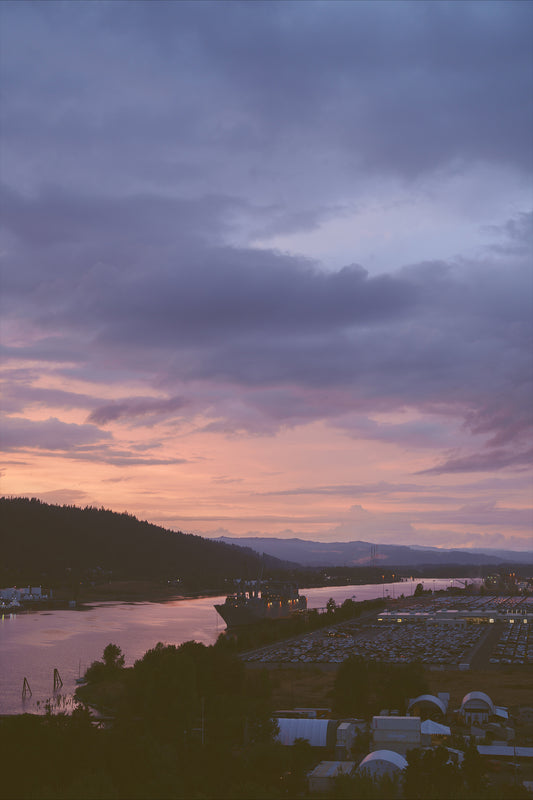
point(515, 645)
point(426, 641)
point(429, 644)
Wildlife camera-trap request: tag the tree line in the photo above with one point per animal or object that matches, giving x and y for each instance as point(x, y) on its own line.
point(53, 545)
point(190, 722)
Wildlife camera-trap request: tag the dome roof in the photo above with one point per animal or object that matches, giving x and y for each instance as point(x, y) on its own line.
point(428, 698)
point(389, 756)
point(477, 698)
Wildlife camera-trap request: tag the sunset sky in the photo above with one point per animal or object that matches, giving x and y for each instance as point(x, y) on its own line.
point(267, 267)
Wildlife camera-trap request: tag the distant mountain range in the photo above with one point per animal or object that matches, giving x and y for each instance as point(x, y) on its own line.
point(363, 554)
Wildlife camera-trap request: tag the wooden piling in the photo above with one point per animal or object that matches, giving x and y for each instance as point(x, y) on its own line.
point(58, 683)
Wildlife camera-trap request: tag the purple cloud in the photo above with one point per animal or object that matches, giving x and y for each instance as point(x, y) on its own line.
point(402, 90)
point(79, 442)
point(136, 407)
point(296, 343)
point(495, 459)
point(50, 434)
point(168, 219)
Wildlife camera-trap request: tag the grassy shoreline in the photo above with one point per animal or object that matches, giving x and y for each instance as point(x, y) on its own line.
point(310, 685)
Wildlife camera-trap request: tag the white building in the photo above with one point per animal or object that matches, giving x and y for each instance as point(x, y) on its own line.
point(318, 732)
point(345, 734)
point(399, 734)
point(380, 763)
point(22, 593)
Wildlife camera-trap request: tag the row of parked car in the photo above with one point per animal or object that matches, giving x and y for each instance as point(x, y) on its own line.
point(515, 645)
point(397, 643)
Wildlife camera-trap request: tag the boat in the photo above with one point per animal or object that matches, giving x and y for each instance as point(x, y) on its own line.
point(254, 601)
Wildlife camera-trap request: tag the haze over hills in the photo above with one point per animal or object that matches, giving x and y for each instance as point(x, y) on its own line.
point(354, 554)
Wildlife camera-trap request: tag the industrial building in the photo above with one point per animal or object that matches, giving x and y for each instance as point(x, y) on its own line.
point(318, 732)
point(396, 733)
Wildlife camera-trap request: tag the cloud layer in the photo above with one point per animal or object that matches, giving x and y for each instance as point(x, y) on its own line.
point(175, 176)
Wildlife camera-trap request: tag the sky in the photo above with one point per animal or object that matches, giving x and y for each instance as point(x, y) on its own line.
point(267, 266)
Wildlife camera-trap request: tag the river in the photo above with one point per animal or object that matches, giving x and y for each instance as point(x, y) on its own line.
point(33, 644)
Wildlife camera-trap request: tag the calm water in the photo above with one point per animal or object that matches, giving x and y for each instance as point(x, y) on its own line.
point(33, 644)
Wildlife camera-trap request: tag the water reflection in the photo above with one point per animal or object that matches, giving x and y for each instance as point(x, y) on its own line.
point(32, 645)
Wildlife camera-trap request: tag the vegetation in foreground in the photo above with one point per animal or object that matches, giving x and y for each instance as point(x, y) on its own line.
point(192, 722)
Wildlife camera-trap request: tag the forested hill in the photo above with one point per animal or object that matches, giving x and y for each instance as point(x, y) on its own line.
point(41, 543)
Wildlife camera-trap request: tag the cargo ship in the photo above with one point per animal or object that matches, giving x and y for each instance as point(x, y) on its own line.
point(254, 601)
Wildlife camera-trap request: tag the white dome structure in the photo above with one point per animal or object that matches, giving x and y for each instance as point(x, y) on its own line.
point(382, 762)
point(429, 703)
point(477, 707)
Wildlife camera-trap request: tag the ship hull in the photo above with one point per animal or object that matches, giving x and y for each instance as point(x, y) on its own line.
point(236, 614)
point(235, 617)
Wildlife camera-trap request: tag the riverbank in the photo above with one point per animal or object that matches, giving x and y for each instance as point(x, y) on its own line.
point(115, 591)
point(153, 592)
point(145, 591)
point(139, 592)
